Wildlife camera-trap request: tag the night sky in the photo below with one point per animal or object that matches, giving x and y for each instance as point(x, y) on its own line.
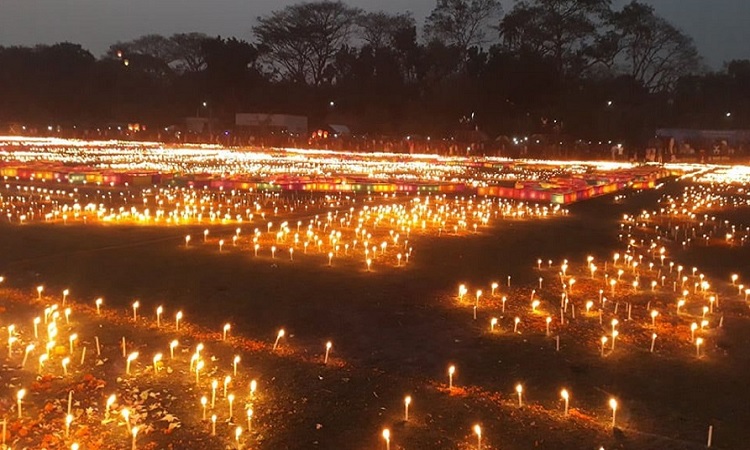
point(719, 27)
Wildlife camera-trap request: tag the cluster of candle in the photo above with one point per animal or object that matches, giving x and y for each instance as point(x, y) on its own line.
point(54, 342)
point(374, 231)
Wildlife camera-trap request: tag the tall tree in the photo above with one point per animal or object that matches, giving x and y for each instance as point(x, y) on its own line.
point(648, 48)
point(561, 30)
point(302, 40)
point(462, 23)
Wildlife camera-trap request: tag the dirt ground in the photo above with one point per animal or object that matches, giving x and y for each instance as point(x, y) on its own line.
point(395, 332)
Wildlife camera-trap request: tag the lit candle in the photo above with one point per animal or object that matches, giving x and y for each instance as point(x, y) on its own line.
point(387, 437)
point(478, 432)
point(177, 319)
point(214, 385)
point(234, 364)
point(173, 345)
point(19, 399)
point(278, 337)
point(329, 345)
point(29, 348)
point(131, 357)
point(213, 425)
point(249, 419)
point(253, 388)
point(125, 412)
point(519, 391)
point(516, 321)
point(566, 397)
point(698, 343)
point(204, 402)
point(136, 304)
point(613, 405)
point(98, 303)
point(68, 421)
point(227, 380)
point(230, 398)
point(237, 434)
point(159, 312)
point(227, 327)
point(157, 358)
point(407, 402)
point(108, 406)
point(653, 341)
point(71, 339)
point(451, 371)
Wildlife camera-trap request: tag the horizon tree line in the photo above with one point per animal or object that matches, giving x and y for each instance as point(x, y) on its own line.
point(560, 67)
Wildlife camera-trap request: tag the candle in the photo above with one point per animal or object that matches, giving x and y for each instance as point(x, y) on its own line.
point(198, 367)
point(65, 363)
point(68, 421)
point(29, 348)
point(519, 391)
point(478, 432)
point(329, 344)
point(249, 419)
point(407, 402)
point(173, 345)
point(98, 303)
point(227, 380)
point(159, 312)
point(230, 398)
point(108, 406)
point(387, 437)
point(613, 405)
point(516, 321)
point(177, 319)
point(234, 364)
point(136, 305)
point(227, 327)
point(653, 341)
point(19, 398)
point(157, 358)
point(126, 415)
point(237, 434)
point(214, 385)
point(566, 397)
point(204, 401)
point(134, 431)
point(213, 425)
point(72, 339)
point(131, 357)
point(278, 337)
point(451, 371)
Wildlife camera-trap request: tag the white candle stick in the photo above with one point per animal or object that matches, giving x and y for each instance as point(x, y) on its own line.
point(329, 345)
point(519, 391)
point(278, 337)
point(19, 400)
point(613, 406)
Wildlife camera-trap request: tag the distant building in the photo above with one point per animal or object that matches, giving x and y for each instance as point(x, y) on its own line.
point(272, 123)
